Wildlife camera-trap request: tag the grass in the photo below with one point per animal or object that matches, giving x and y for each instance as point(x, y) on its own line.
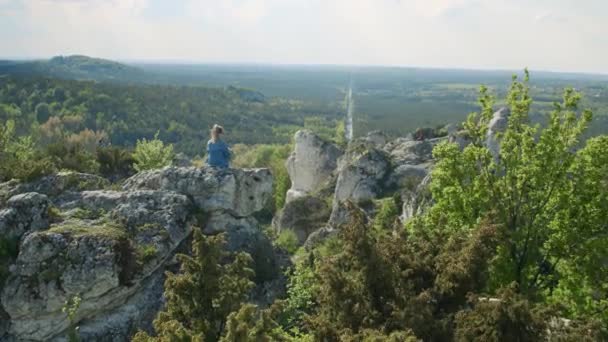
point(88, 214)
point(77, 229)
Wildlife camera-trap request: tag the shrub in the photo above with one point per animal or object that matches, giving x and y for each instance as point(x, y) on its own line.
point(288, 241)
point(19, 157)
point(115, 162)
point(72, 157)
point(203, 294)
point(152, 154)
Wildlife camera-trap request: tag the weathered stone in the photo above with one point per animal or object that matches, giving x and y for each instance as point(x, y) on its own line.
point(245, 234)
point(312, 163)
point(56, 184)
point(415, 200)
point(24, 213)
point(404, 151)
point(240, 191)
point(498, 124)
point(318, 236)
point(51, 268)
point(359, 180)
point(303, 216)
point(111, 247)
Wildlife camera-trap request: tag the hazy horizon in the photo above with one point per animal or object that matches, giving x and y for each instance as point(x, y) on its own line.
point(487, 35)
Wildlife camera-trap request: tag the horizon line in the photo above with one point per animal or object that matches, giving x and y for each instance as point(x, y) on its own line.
point(191, 62)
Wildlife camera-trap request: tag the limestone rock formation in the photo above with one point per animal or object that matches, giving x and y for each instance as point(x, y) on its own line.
point(54, 185)
point(369, 171)
point(24, 213)
point(111, 247)
point(498, 124)
point(242, 192)
point(303, 216)
point(311, 164)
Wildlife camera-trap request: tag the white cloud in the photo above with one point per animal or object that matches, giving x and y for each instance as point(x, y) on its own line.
point(556, 34)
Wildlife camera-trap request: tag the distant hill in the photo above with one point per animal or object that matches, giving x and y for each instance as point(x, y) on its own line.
point(74, 67)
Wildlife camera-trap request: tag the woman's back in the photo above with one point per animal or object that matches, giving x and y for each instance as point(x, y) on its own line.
point(218, 153)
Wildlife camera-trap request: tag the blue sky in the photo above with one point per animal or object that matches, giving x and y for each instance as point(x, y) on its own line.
point(558, 35)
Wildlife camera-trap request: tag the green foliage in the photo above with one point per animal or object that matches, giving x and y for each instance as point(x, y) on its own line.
point(288, 241)
point(507, 318)
point(270, 156)
point(115, 162)
point(252, 324)
point(203, 294)
point(145, 253)
point(301, 295)
point(548, 198)
point(152, 154)
point(43, 112)
point(70, 308)
point(182, 115)
point(19, 158)
point(396, 284)
point(387, 215)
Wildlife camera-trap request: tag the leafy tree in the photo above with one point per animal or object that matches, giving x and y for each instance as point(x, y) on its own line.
point(547, 196)
point(19, 157)
point(152, 154)
point(43, 112)
point(203, 294)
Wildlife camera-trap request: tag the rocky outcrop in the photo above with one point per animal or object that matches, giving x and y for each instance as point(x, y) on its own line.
point(54, 185)
point(241, 192)
point(370, 171)
point(111, 247)
point(311, 164)
point(303, 216)
point(24, 213)
point(498, 124)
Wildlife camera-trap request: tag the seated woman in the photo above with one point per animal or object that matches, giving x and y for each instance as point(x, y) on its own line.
point(218, 152)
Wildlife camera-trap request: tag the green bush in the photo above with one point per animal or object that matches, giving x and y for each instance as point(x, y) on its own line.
point(152, 154)
point(288, 241)
point(19, 158)
point(115, 162)
point(73, 157)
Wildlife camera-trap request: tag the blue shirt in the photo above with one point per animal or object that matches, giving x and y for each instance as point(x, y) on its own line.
point(218, 154)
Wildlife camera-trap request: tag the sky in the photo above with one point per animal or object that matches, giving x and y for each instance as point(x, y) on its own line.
point(556, 35)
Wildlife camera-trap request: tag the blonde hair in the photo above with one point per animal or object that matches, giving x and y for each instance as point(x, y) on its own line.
point(216, 131)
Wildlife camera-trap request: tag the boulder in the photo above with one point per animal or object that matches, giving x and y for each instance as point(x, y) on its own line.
point(55, 185)
point(240, 191)
point(405, 151)
point(359, 179)
point(52, 267)
point(24, 213)
point(303, 216)
point(415, 200)
point(311, 164)
point(102, 257)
